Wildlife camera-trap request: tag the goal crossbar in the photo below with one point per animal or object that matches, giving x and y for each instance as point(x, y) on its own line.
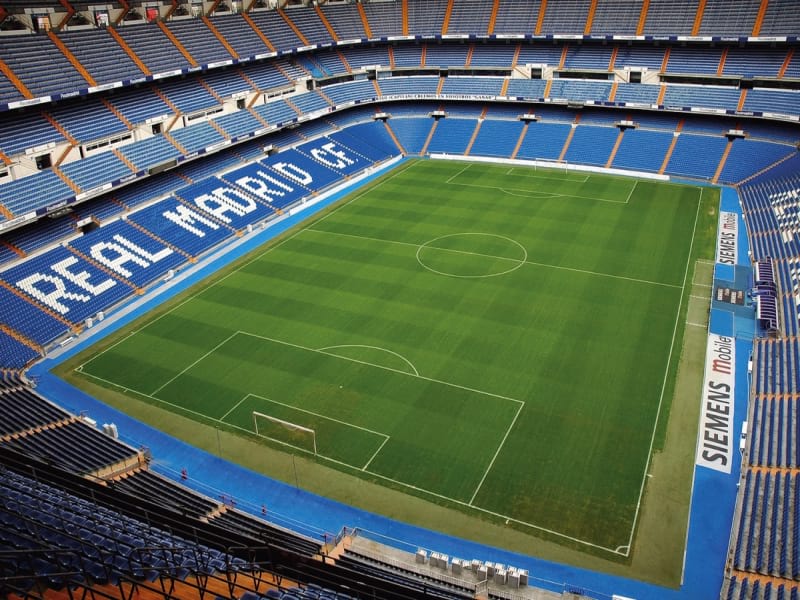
point(287, 424)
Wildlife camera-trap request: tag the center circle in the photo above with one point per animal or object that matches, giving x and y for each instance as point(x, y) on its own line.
point(471, 255)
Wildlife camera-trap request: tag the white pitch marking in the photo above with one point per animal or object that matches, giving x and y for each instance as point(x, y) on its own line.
point(528, 262)
point(400, 356)
point(222, 343)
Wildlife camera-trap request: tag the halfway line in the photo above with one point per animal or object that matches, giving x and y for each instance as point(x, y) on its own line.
point(516, 260)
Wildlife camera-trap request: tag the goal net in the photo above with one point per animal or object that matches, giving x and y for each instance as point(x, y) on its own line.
point(285, 432)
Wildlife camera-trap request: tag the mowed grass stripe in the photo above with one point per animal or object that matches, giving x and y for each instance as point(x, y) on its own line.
point(583, 351)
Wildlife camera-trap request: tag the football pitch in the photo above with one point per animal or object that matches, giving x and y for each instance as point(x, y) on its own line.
point(495, 338)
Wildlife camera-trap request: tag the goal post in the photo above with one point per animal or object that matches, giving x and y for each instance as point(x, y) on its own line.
point(285, 432)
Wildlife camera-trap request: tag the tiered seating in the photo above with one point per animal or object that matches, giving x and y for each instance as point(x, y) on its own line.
point(24, 317)
point(226, 83)
point(23, 410)
point(497, 138)
point(445, 55)
point(23, 54)
point(398, 86)
point(728, 18)
point(694, 60)
point(754, 61)
point(66, 284)
point(128, 252)
point(591, 145)
point(210, 165)
point(266, 76)
point(765, 542)
point(517, 15)
point(469, 86)
point(40, 234)
point(345, 21)
point(101, 55)
point(139, 105)
point(526, 88)
point(180, 226)
point(410, 580)
point(188, 95)
point(781, 17)
point(155, 186)
point(75, 446)
point(225, 204)
point(492, 56)
point(452, 135)
point(666, 17)
point(616, 17)
point(13, 353)
point(565, 17)
point(276, 30)
point(704, 96)
point(580, 89)
point(239, 35)
point(368, 139)
point(543, 140)
point(636, 93)
point(773, 101)
point(411, 133)
point(539, 54)
point(310, 25)
point(342, 93)
point(276, 113)
point(33, 192)
point(96, 170)
point(77, 540)
point(359, 56)
point(301, 169)
point(650, 57)
point(470, 17)
point(26, 130)
point(330, 62)
point(199, 41)
point(197, 137)
point(153, 47)
point(8, 91)
point(87, 121)
point(748, 156)
point(270, 187)
point(407, 55)
point(150, 152)
point(426, 18)
point(310, 102)
point(642, 150)
point(238, 123)
point(594, 58)
point(696, 155)
point(147, 484)
point(385, 18)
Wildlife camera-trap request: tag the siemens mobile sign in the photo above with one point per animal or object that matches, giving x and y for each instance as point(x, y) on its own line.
point(715, 443)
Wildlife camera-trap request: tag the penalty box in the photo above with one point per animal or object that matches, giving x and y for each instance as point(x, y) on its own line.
point(432, 435)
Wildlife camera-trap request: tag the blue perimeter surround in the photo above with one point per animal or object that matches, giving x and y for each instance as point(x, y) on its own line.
point(713, 495)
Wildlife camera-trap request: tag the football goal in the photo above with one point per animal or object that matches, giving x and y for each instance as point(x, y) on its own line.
point(285, 432)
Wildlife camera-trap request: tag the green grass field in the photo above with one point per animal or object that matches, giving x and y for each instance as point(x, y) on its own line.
point(493, 338)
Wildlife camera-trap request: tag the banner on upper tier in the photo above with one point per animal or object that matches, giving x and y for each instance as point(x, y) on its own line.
point(727, 238)
point(715, 443)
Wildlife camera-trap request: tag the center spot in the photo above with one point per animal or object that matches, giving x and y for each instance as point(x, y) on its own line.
point(471, 255)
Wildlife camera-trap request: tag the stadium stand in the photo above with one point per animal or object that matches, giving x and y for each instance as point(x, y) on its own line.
point(765, 530)
point(101, 56)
